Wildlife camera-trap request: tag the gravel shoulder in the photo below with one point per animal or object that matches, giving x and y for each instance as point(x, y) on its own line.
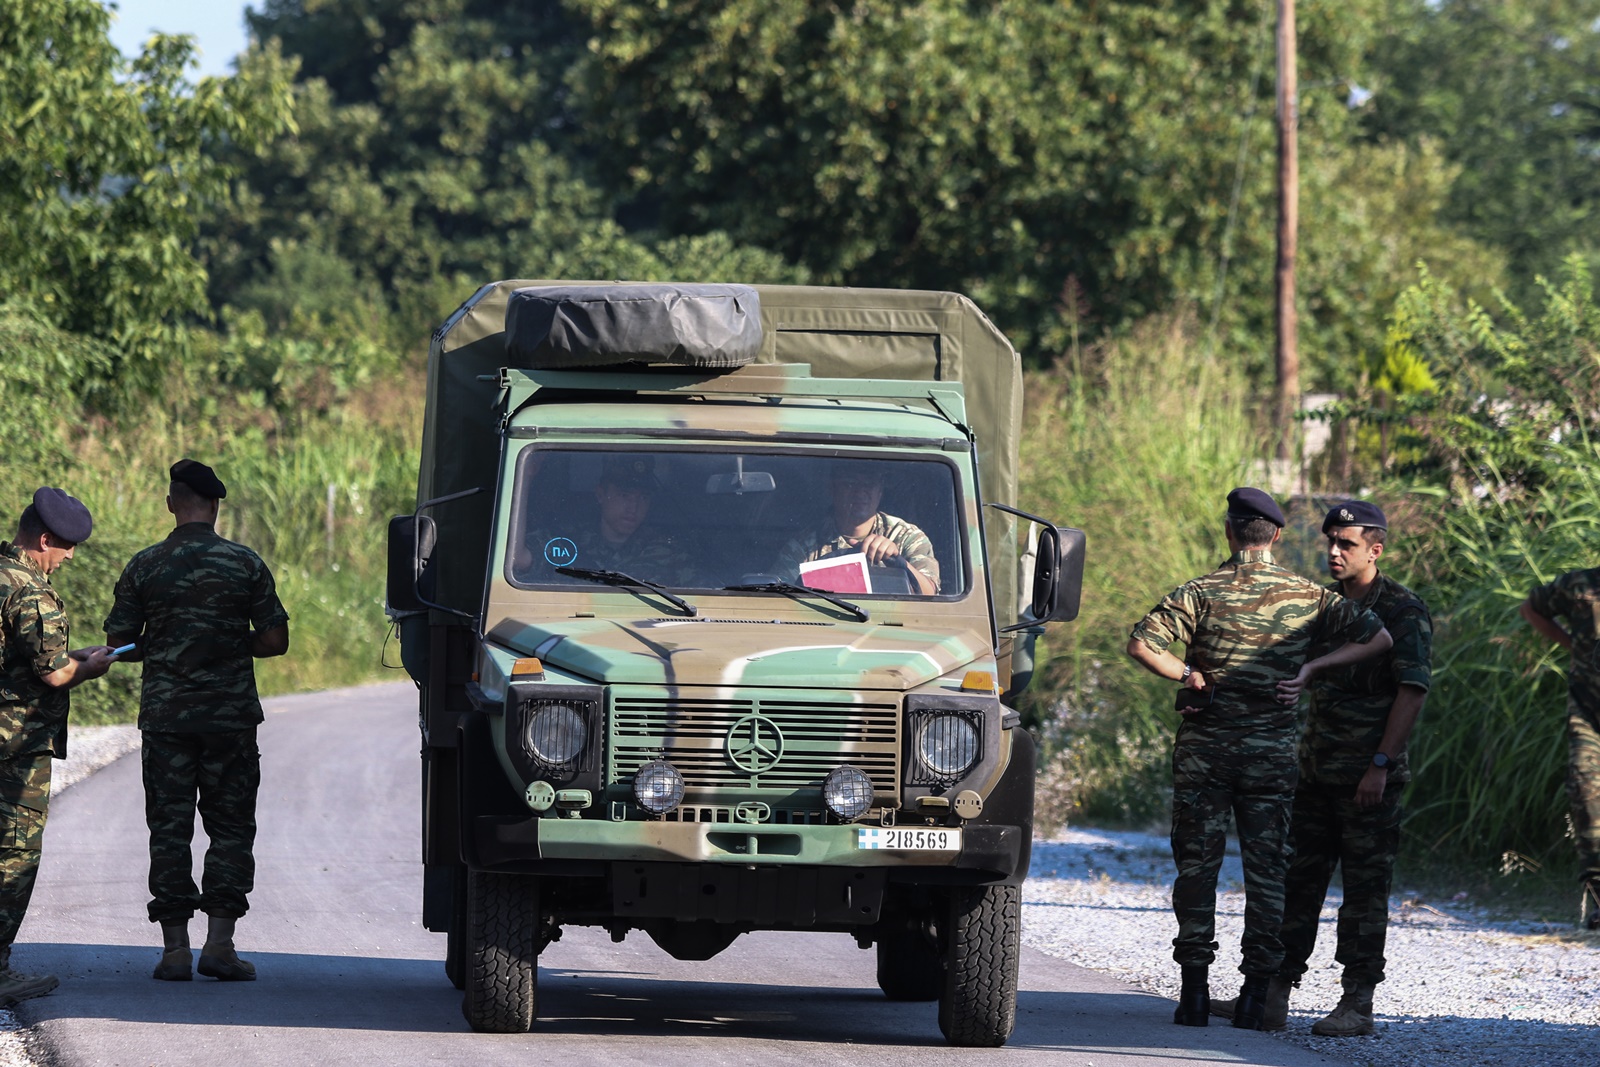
point(1460, 990)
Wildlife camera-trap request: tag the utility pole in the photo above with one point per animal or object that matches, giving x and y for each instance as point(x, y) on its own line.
point(1287, 394)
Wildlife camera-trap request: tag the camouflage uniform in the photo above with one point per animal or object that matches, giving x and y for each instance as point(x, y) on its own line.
point(33, 724)
point(1574, 600)
point(190, 603)
point(825, 540)
point(1349, 710)
point(1248, 625)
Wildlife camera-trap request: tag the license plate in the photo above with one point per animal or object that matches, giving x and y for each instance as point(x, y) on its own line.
point(908, 839)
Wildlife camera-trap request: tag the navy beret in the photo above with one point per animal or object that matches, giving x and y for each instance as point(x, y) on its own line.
point(199, 477)
point(1355, 513)
point(63, 514)
point(1246, 503)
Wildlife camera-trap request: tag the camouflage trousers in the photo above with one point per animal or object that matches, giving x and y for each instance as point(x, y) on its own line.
point(1329, 831)
point(216, 774)
point(24, 803)
point(1208, 787)
point(1583, 786)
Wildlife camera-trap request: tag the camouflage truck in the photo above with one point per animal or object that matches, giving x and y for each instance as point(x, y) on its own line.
point(664, 689)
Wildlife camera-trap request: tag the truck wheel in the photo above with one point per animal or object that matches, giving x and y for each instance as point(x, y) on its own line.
point(502, 966)
point(909, 965)
point(455, 940)
point(978, 1008)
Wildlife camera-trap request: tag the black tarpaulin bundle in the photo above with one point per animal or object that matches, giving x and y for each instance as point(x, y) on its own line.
point(550, 327)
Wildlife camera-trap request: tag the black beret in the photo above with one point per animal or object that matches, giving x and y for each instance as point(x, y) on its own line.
point(1355, 513)
point(199, 477)
point(629, 472)
point(1246, 503)
point(63, 515)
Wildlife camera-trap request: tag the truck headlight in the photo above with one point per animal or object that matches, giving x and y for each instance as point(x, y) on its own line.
point(947, 744)
point(556, 734)
point(847, 792)
point(658, 787)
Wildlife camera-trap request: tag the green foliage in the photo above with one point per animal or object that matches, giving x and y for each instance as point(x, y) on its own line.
point(1136, 442)
point(104, 167)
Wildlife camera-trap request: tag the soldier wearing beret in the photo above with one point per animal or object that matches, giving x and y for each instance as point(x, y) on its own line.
point(1353, 769)
point(1248, 627)
point(36, 671)
point(199, 608)
point(1567, 612)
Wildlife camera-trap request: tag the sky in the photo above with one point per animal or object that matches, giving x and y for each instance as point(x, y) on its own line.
point(217, 25)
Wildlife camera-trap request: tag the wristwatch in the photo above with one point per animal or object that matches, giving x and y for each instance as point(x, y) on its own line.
point(1381, 761)
point(1184, 677)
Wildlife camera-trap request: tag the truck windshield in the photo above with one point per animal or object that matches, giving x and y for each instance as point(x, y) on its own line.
point(706, 520)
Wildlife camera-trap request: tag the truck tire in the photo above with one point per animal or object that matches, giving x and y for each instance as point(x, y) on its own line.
point(502, 965)
point(909, 965)
point(978, 1008)
point(455, 940)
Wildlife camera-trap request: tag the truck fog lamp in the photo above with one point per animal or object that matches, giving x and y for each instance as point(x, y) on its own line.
point(847, 792)
point(947, 745)
point(658, 787)
point(556, 734)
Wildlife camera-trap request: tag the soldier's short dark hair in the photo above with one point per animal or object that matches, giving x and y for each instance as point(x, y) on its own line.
point(1253, 532)
point(184, 496)
point(29, 524)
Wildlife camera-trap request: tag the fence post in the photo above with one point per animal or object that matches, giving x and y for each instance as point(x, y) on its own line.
point(331, 490)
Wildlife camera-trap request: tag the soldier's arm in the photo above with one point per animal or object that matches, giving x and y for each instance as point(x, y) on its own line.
point(83, 664)
point(1403, 715)
point(1289, 689)
point(1163, 664)
point(1545, 626)
point(264, 644)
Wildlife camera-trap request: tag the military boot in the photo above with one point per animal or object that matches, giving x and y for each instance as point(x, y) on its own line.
point(1353, 1016)
point(177, 958)
point(1589, 905)
point(1250, 1007)
point(15, 986)
point(1195, 998)
point(217, 957)
point(1276, 1016)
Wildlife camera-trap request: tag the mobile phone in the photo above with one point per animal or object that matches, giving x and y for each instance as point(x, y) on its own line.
point(125, 649)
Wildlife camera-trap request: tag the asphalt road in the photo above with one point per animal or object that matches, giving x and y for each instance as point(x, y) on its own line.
point(348, 975)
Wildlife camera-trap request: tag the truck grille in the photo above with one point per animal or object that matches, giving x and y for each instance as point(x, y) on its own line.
point(742, 744)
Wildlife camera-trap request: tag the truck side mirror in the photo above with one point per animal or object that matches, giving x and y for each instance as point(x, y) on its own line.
point(1058, 574)
point(410, 579)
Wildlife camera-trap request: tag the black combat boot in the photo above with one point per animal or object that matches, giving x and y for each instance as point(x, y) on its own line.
point(1251, 1007)
point(1194, 1002)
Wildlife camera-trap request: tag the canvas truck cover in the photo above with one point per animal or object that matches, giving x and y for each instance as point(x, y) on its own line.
point(580, 326)
point(841, 333)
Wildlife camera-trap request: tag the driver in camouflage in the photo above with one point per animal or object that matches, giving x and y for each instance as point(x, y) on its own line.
point(199, 607)
point(616, 539)
point(856, 525)
point(36, 670)
point(1249, 627)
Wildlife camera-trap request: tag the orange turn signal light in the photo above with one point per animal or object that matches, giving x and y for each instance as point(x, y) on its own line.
point(527, 665)
point(978, 681)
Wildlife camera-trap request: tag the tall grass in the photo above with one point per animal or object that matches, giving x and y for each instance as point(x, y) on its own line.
point(1137, 441)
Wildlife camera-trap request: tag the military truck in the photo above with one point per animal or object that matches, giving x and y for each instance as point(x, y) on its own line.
point(711, 596)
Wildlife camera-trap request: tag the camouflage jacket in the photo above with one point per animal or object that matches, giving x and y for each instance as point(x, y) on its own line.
point(1350, 705)
point(190, 603)
point(1248, 625)
point(648, 554)
point(1574, 601)
point(825, 540)
point(33, 630)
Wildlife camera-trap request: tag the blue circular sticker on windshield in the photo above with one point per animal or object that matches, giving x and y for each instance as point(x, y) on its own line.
point(560, 552)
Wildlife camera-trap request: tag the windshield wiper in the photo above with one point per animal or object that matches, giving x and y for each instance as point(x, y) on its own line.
point(628, 581)
point(790, 589)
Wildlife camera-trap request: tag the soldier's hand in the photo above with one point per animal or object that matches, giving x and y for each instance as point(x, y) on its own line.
point(95, 660)
point(878, 548)
point(1289, 689)
point(1196, 680)
point(1369, 792)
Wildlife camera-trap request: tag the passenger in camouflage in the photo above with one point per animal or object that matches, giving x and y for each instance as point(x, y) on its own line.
point(1353, 768)
point(1249, 627)
point(199, 607)
point(1567, 611)
point(855, 524)
point(616, 539)
point(36, 671)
